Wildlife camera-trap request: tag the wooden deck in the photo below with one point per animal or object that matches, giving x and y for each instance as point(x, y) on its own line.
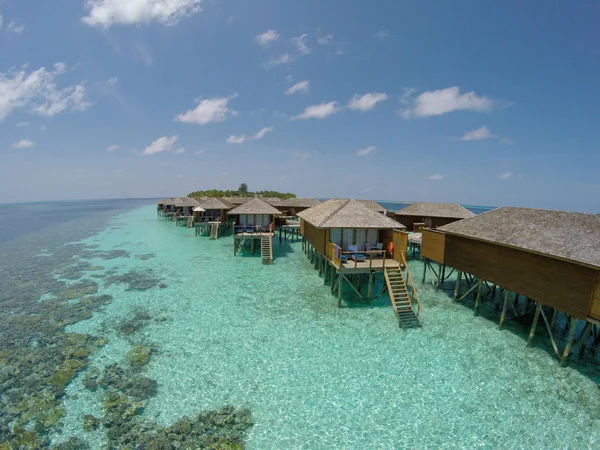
point(366, 266)
point(252, 235)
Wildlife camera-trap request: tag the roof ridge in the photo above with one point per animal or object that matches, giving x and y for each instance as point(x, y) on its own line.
point(335, 211)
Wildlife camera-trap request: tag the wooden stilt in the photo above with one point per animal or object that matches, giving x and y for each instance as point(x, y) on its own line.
point(425, 262)
point(457, 287)
point(502, 317)
point(534, 324)
point(478, 297)
point(441, 277)
point(524, 305)
point(332, 278)
point(554, 317)
point(563, 360)
point(340, 278)
point(370, 288)
point(585, 336)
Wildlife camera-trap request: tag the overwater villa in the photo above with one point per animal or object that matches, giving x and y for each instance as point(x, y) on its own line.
point(428, 215)
point(547, 263)
point(293, 206)
point(348, 242)
point(254, 224)
point(431, 215)
point(211, 217)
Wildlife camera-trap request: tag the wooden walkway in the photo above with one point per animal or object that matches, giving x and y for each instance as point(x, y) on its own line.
point(266, 249)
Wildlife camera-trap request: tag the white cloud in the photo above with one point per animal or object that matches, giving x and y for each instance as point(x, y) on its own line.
point(23, 143)
point(442, 101)
point(286, 58)
point(366, 102)
point(282, 177)
point(179, 151)
point(209, 110)
point(243, 138)
point(365, 151)
point(301, 86)
point(505, 175)
point(300, 155)
point(142, 52)
point(112, 148)
point(15, 28)
point(325, 40)
point(382, 34)
point(112, 81)
point(319, 111)
point(104, 13)
point(435, 177)
point(478, 134)
point(267, 37)
point(23, 124)
point(506, 141)
point(43, 128)
point(37, 91)
point(200, 152)
point(1, 20)
point(163, 144)
point(300, 43)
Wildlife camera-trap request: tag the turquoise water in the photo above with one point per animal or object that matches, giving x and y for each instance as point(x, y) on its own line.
point(229, 330)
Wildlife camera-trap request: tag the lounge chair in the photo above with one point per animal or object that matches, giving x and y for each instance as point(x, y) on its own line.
point(356, 256)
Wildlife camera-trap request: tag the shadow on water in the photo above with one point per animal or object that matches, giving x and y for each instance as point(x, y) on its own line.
point(490, 308)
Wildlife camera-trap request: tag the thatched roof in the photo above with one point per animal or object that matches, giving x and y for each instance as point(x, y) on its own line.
point(216, 203)
point(347, 213)
point(187, 201)
point(237, 200)
point(433, 209)
point(254, 206)
point(273, 201)
point(165, 201)
point(564, 235)
point(373, 205)
point(300, 202)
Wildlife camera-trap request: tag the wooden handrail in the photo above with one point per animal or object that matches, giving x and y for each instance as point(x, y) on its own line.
point(412, 283)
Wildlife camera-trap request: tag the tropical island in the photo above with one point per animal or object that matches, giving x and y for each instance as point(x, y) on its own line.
point(242, 191)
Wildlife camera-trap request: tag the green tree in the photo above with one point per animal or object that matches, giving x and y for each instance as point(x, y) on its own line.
point(243, 189)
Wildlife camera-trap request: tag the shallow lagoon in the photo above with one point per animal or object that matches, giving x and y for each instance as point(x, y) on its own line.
point(228, 330)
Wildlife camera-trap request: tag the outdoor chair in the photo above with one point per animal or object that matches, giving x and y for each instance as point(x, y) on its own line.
point(356, 256)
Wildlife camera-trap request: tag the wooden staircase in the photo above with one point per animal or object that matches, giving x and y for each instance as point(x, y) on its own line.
point(214, 231)
point(402, 301)
point(266, 249)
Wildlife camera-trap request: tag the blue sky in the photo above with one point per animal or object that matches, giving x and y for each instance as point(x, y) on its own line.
point(492, 103)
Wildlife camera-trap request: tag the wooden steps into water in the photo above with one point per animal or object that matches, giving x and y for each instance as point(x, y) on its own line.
point(266, 249)
point(401, 299)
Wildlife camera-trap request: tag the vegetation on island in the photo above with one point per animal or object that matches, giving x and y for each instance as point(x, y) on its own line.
point(242, 191)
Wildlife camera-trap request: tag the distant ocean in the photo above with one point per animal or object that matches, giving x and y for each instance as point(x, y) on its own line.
point(119, 329)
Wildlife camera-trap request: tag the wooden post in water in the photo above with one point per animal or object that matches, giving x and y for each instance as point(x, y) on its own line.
point(331, 281)
point(457, 287)
point(478, 297)
point(441, 276)
point(534, 325)
point(585, 335)
point(563, 359)
point(506, 297)
point(370, 288)
point(425, 261)
point(340, 278)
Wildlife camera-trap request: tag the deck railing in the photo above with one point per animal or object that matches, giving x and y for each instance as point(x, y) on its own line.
point(243, 229)
point(338, 256)
point(413, 294)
